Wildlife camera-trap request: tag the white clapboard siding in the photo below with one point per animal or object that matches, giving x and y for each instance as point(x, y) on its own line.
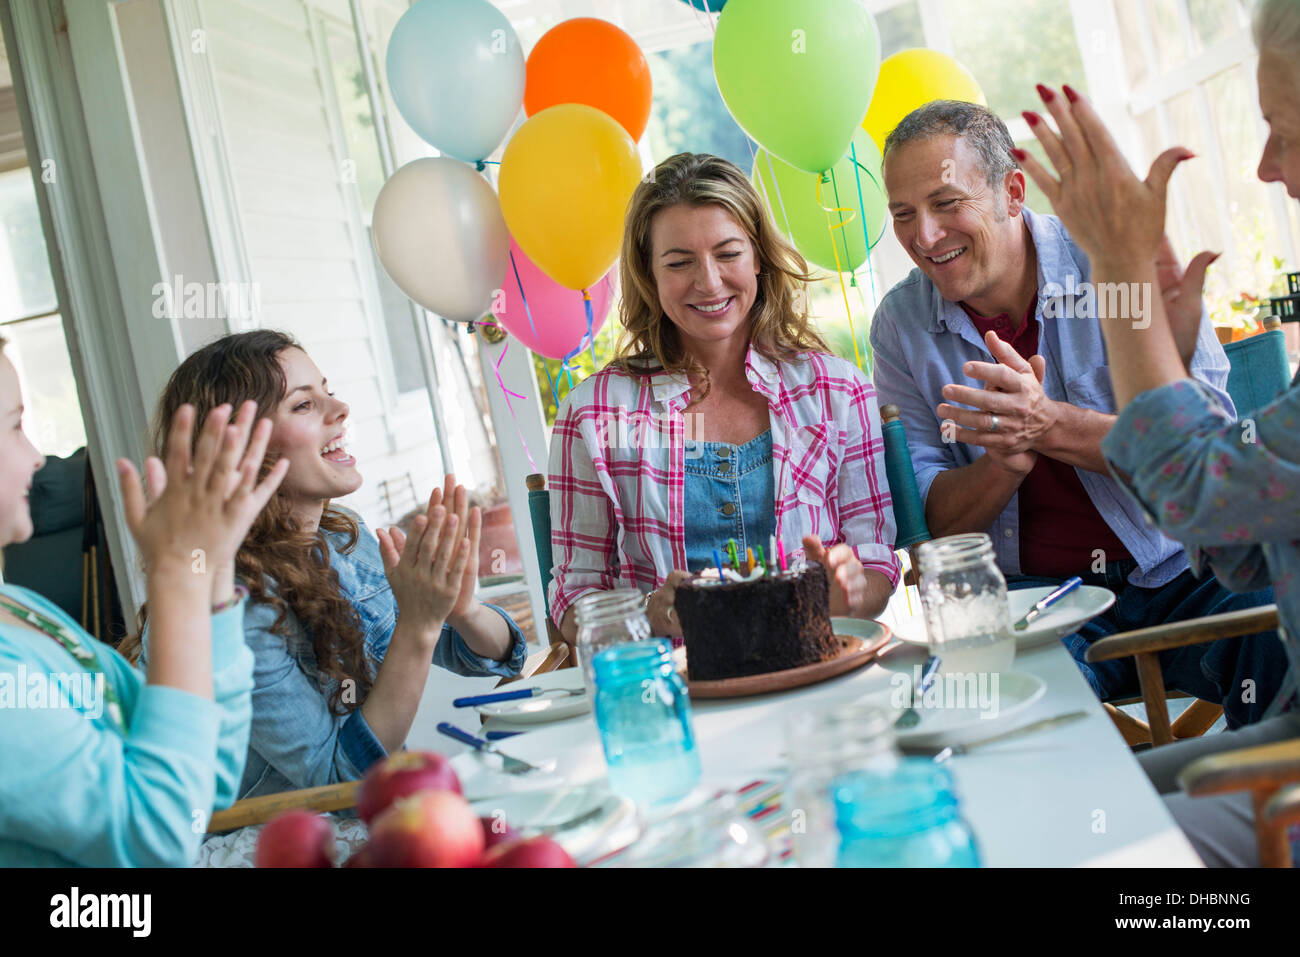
point(302, 238)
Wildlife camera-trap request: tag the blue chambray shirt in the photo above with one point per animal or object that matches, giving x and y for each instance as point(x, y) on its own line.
point(921, 342)
point(296, 741)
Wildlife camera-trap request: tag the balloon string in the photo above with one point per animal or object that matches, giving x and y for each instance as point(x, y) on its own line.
point(528, 311)
point(591, 339)
point(507, 393)
point(853, 276)
point(836, 250)
point(586, 339)
point(858, 168)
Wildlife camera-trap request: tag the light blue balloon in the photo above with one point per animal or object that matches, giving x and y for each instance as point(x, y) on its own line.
point(456, 72)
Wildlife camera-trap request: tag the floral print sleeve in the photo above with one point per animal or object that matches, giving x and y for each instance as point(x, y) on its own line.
point(1218, 485)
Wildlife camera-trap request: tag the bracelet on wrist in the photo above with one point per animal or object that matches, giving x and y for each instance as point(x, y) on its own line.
point(240, 594)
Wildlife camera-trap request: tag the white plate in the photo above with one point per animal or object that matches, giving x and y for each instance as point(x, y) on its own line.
point(1081, 605)
point(965, 707)
point(545, 708)
point(863, 628)
point(607, 821)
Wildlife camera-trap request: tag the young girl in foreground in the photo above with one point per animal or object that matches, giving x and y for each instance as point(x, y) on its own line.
point(343, 627)
point(126, 772)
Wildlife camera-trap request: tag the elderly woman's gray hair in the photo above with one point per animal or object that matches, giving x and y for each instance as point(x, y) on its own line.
point(977, 125)
point(1277, 27)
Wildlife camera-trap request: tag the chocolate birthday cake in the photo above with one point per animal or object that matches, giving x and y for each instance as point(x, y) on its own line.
point(769, 622)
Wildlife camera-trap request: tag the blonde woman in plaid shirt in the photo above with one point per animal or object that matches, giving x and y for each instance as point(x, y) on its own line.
point(723, 415)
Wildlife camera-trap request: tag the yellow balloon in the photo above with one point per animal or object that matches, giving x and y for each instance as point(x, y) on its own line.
point(566, 177)
point(912, 78)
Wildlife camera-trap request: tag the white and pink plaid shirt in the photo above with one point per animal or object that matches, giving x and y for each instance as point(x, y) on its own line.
point(617, 472)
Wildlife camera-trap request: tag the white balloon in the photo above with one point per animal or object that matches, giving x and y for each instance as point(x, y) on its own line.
point(440, 235)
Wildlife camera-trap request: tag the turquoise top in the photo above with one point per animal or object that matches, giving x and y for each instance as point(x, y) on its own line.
point(73, 790)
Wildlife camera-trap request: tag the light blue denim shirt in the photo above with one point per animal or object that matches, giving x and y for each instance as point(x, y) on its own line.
point(296, 741)
point(920, 343)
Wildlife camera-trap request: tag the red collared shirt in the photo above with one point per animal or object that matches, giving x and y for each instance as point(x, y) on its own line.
point(1060, 528)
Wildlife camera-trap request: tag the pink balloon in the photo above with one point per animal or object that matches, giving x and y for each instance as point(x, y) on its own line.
point(557, 312)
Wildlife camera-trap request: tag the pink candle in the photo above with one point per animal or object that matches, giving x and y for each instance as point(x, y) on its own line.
point(780, 553)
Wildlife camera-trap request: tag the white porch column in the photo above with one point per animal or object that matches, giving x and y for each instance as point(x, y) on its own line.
point(518, 435)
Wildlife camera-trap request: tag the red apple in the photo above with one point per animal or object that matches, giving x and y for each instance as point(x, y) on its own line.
point(429, 829)
point(532, 852)
point(296, 839)
point(496, 831)
point(401, 775)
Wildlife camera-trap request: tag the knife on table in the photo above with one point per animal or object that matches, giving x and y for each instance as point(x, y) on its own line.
point(1047, 602)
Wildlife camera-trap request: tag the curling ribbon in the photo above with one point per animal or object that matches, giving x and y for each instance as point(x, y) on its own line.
point(531, 325)
point(507, 393)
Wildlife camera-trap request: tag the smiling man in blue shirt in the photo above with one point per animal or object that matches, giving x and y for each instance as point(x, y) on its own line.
point(991, 351)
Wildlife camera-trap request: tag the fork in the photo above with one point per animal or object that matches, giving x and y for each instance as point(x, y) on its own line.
point(509, 765)
point(910, 718)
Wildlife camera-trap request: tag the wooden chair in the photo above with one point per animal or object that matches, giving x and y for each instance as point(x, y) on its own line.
point(1270, 773)
point(1145, 644)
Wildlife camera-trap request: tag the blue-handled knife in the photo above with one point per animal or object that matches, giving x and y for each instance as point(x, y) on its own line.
point(1047, 602)
point(475, 700)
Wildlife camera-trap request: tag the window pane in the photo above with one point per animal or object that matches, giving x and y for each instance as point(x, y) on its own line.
point(1213, 20)
point(900, 28)
point(26, 286)
point(1194, 178)
point(1167, 33)
point(688, 113)
point(1011, 45)
point(52, 414)
point(1135, 61)
point(363, 151)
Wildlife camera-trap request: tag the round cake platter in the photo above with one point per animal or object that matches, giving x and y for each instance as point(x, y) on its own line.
point(860, 641)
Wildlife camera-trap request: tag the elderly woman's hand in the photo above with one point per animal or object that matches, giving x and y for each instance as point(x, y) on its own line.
point(1112, 214)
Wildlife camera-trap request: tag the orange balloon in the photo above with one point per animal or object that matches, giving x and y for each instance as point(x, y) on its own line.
point(591, 61)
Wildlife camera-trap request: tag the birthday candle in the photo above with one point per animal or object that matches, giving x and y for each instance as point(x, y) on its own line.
point(717, 560)
point(750, 570)
point(780, 554)
point(762, 560)
point(731, 553)
point(771, 546)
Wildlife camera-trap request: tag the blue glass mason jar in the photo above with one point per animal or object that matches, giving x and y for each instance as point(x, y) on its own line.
point(905, 818)
point(644, 715)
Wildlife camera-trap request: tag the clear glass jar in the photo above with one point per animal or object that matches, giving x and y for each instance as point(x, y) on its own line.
point(715, 833)
point(643, 712)
point(605, 619)
point(907, 817)
point(964, 598)
point(823, 744)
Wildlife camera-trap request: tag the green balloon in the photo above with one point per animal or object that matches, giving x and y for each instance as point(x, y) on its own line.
point(796, 75)
point(791, 198)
